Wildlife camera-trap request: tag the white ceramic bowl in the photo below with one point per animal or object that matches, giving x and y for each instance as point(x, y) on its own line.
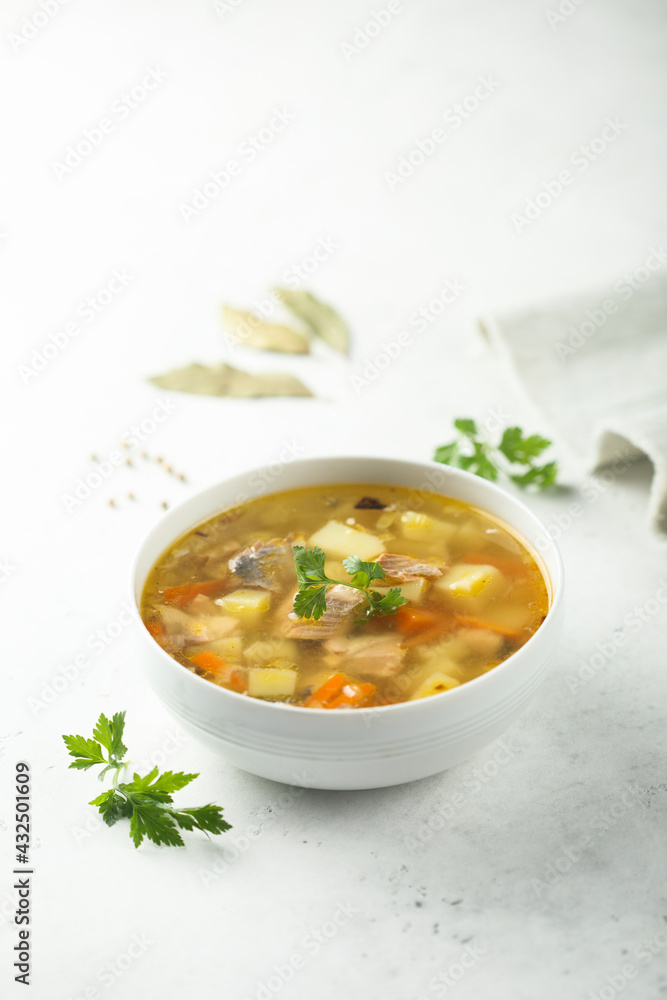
point(361, 748)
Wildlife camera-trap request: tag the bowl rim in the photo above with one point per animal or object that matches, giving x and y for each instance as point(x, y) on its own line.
point(555, 579)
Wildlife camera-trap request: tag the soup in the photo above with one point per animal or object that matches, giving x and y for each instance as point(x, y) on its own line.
point(220, 600)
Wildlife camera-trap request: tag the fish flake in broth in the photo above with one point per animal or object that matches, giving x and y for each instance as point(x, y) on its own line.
point(264, 564)
point(398, 567)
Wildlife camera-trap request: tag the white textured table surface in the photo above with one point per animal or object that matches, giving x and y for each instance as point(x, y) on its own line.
point(536, 869)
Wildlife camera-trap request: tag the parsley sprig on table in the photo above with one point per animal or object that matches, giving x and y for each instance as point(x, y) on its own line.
point(311, 599)
point(515, 455)
point(146, 801)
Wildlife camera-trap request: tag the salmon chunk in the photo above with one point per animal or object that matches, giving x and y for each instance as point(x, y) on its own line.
point(367, 655)
point(399, 567)
point(344, 605)
point(265, 564)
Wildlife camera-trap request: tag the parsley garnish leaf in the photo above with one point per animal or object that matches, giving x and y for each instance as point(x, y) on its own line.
point(110, 733)
point(87, 752)
point(362, 573)
point(311, 603)
point(540, 476)
point(146, 800)
point(206, 818)
point(309, 565)
point(160, 786)
point(111, 806)
point(311, 599)
point(149, 820)
point(386, 604)
point(466, 426)
point(447, 453)
point(519, 449)
point(515, 456)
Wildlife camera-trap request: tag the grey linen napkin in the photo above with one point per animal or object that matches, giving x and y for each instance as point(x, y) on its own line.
point(596, 368)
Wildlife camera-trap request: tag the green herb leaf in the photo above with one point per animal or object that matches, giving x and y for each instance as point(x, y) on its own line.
point(520, 449)
point(110, 734)
point(514, 456)
point(447, 453)
point(111, 806)
point(88, 752)
point(388, 603)
point(207, 818)
point(129, 790)
point(362, 573)
point(466, 426)
point(114, 766)
point(309, 565)
point(149, 820)
point(540, 476)
point(311, 602)
point(169, 781)
point(146, 800)
point(482, 464)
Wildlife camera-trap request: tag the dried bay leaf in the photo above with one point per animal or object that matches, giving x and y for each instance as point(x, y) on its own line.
point(322, 319)
point(250, 331)
point(223, 380)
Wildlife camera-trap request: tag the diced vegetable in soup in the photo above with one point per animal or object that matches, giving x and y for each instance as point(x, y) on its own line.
point(413, 594)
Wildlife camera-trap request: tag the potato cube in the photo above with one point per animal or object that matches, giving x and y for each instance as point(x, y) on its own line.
point(340, 541)
point(510, 616)
point(245, 603)
point(229, 649)
point(208, 628)
point(173, 619)
point(482, 641)
point(385, 520)
point(282, 663)
point(418, 527)
point(471, 580)
point(271, 682)
point(471, 535)
point(503, 540)
point(443, 657)
point(435, 684)
point(455, 649)
point(265, 650)
point(412, 590)
point(335, 570)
